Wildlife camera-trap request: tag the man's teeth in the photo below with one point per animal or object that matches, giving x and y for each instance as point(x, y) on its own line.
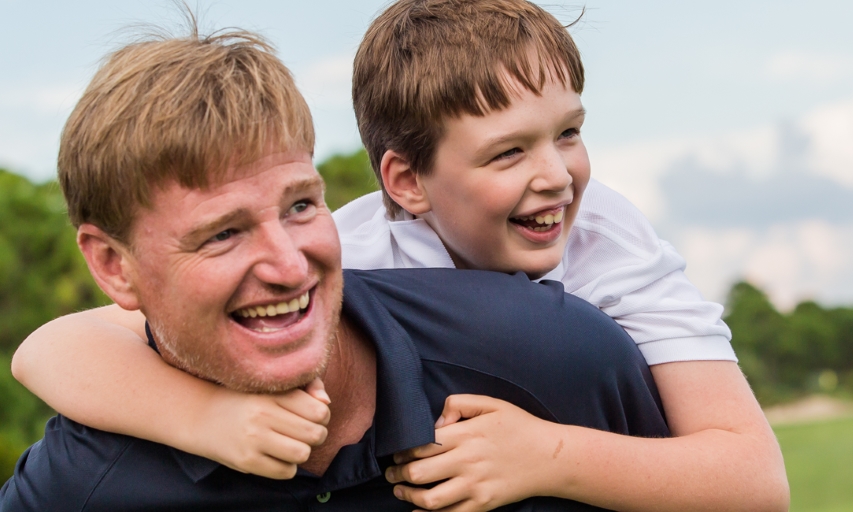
point(544, 221)
point(276, 309)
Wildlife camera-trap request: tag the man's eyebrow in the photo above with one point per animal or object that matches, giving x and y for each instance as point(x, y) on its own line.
point(487, 146)
point(310, 184)
point(203, 231)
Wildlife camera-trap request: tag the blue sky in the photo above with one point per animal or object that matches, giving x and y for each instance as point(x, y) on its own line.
point(728, 123)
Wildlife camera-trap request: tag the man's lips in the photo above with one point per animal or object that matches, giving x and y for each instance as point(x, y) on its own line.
point(273, 316)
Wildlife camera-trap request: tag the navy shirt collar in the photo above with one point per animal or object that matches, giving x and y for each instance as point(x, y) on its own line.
point(403, 418)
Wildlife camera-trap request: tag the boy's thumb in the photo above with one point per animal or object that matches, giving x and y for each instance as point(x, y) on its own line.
point(317, 389)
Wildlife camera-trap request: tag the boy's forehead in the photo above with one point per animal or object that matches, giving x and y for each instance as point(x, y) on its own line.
point(517, 92)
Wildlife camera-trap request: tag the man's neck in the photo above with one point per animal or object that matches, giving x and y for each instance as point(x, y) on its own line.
point(350, 381)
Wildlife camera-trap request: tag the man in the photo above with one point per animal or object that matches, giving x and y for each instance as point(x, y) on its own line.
point(187, 170)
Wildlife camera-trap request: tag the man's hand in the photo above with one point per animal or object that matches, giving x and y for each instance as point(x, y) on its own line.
point(487, 461)
point(266, 435)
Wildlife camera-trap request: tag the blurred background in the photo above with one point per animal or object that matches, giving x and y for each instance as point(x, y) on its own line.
point(729, 124)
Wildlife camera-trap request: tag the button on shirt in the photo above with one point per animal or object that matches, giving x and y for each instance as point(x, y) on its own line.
point(613, 260)
point(437, 332)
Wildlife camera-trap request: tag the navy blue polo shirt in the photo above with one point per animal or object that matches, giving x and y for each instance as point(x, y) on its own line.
point(437, 332)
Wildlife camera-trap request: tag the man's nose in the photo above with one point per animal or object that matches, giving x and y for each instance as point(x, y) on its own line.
point(552, 172)
point(280, 260)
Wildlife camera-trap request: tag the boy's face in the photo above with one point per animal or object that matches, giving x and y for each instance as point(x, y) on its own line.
point(506, 187)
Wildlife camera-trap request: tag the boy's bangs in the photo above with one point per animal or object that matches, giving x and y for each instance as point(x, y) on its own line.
point(530, 69)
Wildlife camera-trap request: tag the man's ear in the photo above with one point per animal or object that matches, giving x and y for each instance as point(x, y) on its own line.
point(402, 183)
point(111, 263)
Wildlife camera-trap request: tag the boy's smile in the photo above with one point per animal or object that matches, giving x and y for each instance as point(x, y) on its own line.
point(505, 187)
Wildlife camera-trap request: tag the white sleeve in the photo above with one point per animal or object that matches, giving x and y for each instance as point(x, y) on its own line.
point(615, 261)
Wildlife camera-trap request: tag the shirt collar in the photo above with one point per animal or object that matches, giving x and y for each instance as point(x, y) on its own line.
point(194, 466)
point(403, 417)
point(418, 244)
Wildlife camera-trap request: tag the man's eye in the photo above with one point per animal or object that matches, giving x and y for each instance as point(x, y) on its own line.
point(299, 207)
point(222, 235)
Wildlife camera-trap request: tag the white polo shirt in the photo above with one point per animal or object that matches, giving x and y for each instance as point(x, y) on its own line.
point(613, 259)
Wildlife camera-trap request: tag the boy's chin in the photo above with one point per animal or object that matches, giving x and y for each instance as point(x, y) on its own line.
point(539, 269)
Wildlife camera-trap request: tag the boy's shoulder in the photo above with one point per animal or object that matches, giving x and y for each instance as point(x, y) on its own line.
point(607, 215)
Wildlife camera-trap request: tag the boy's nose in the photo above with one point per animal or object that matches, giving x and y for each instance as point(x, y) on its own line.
point(552, 173)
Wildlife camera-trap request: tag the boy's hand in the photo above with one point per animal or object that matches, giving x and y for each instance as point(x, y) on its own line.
point(266, 435)
point(492, 459)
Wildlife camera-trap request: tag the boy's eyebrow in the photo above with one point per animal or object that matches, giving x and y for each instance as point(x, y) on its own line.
point(500, 139)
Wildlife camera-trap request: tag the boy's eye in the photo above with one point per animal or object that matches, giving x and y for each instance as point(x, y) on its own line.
point(507, 154)
point(571, 132)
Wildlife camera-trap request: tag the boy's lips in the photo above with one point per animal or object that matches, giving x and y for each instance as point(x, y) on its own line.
point(543, 220)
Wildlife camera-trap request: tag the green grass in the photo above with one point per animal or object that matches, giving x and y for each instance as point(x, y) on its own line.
point(819, 461)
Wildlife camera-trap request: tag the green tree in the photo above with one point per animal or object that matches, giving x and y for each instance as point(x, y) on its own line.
point(42, 274)
point(347, 177)
point(784, 355)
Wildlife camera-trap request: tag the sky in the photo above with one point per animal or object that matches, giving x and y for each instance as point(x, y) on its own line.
point(728, 123)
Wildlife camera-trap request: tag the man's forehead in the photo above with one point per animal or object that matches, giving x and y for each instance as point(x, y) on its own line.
point(269, 181)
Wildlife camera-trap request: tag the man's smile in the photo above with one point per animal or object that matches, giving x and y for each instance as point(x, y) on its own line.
point(273, 316)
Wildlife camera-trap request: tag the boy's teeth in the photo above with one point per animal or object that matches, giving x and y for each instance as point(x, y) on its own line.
point(545, 221)
point(277, 309)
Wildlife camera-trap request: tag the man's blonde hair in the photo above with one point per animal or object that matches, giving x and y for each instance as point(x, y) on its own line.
point(422, 61)
point(181, 110)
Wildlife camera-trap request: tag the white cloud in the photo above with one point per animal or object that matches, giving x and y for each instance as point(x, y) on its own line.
point(773, 204)
point(802, 66)
point(41, 100)
point(791, 262)
point(831, 132)
point(328, 83)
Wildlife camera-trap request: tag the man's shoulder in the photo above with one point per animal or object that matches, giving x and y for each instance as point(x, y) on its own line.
point(494, 320)
point(528, 343)
point(63, 470)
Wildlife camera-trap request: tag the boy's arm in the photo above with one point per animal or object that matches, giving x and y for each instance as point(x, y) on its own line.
point(95, 368)
point(724, 455)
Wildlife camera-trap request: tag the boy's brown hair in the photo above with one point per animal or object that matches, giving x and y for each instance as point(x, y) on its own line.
point(422, 61)
point(182, 110)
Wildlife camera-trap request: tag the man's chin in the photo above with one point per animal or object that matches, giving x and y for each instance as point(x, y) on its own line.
point(271, 385)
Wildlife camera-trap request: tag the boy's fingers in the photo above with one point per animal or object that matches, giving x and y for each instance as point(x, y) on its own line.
point(317, 389)
point(286, 450)
point(451, 494)
point(420, 452)
point(292, 426)
point(303, 404)
point(465, 406)
point(421, 472)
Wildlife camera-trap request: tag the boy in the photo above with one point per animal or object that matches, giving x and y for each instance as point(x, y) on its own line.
point(471, 114)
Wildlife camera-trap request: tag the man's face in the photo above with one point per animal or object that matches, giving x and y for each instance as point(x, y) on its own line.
point(506, 187)
point(241, 282)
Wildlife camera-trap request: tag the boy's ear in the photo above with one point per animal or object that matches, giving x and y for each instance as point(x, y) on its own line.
point(111, 263)
point(403, 184)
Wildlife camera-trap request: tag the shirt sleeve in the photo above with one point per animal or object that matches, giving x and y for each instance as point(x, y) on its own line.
point(615, 261)
point(60, 472)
